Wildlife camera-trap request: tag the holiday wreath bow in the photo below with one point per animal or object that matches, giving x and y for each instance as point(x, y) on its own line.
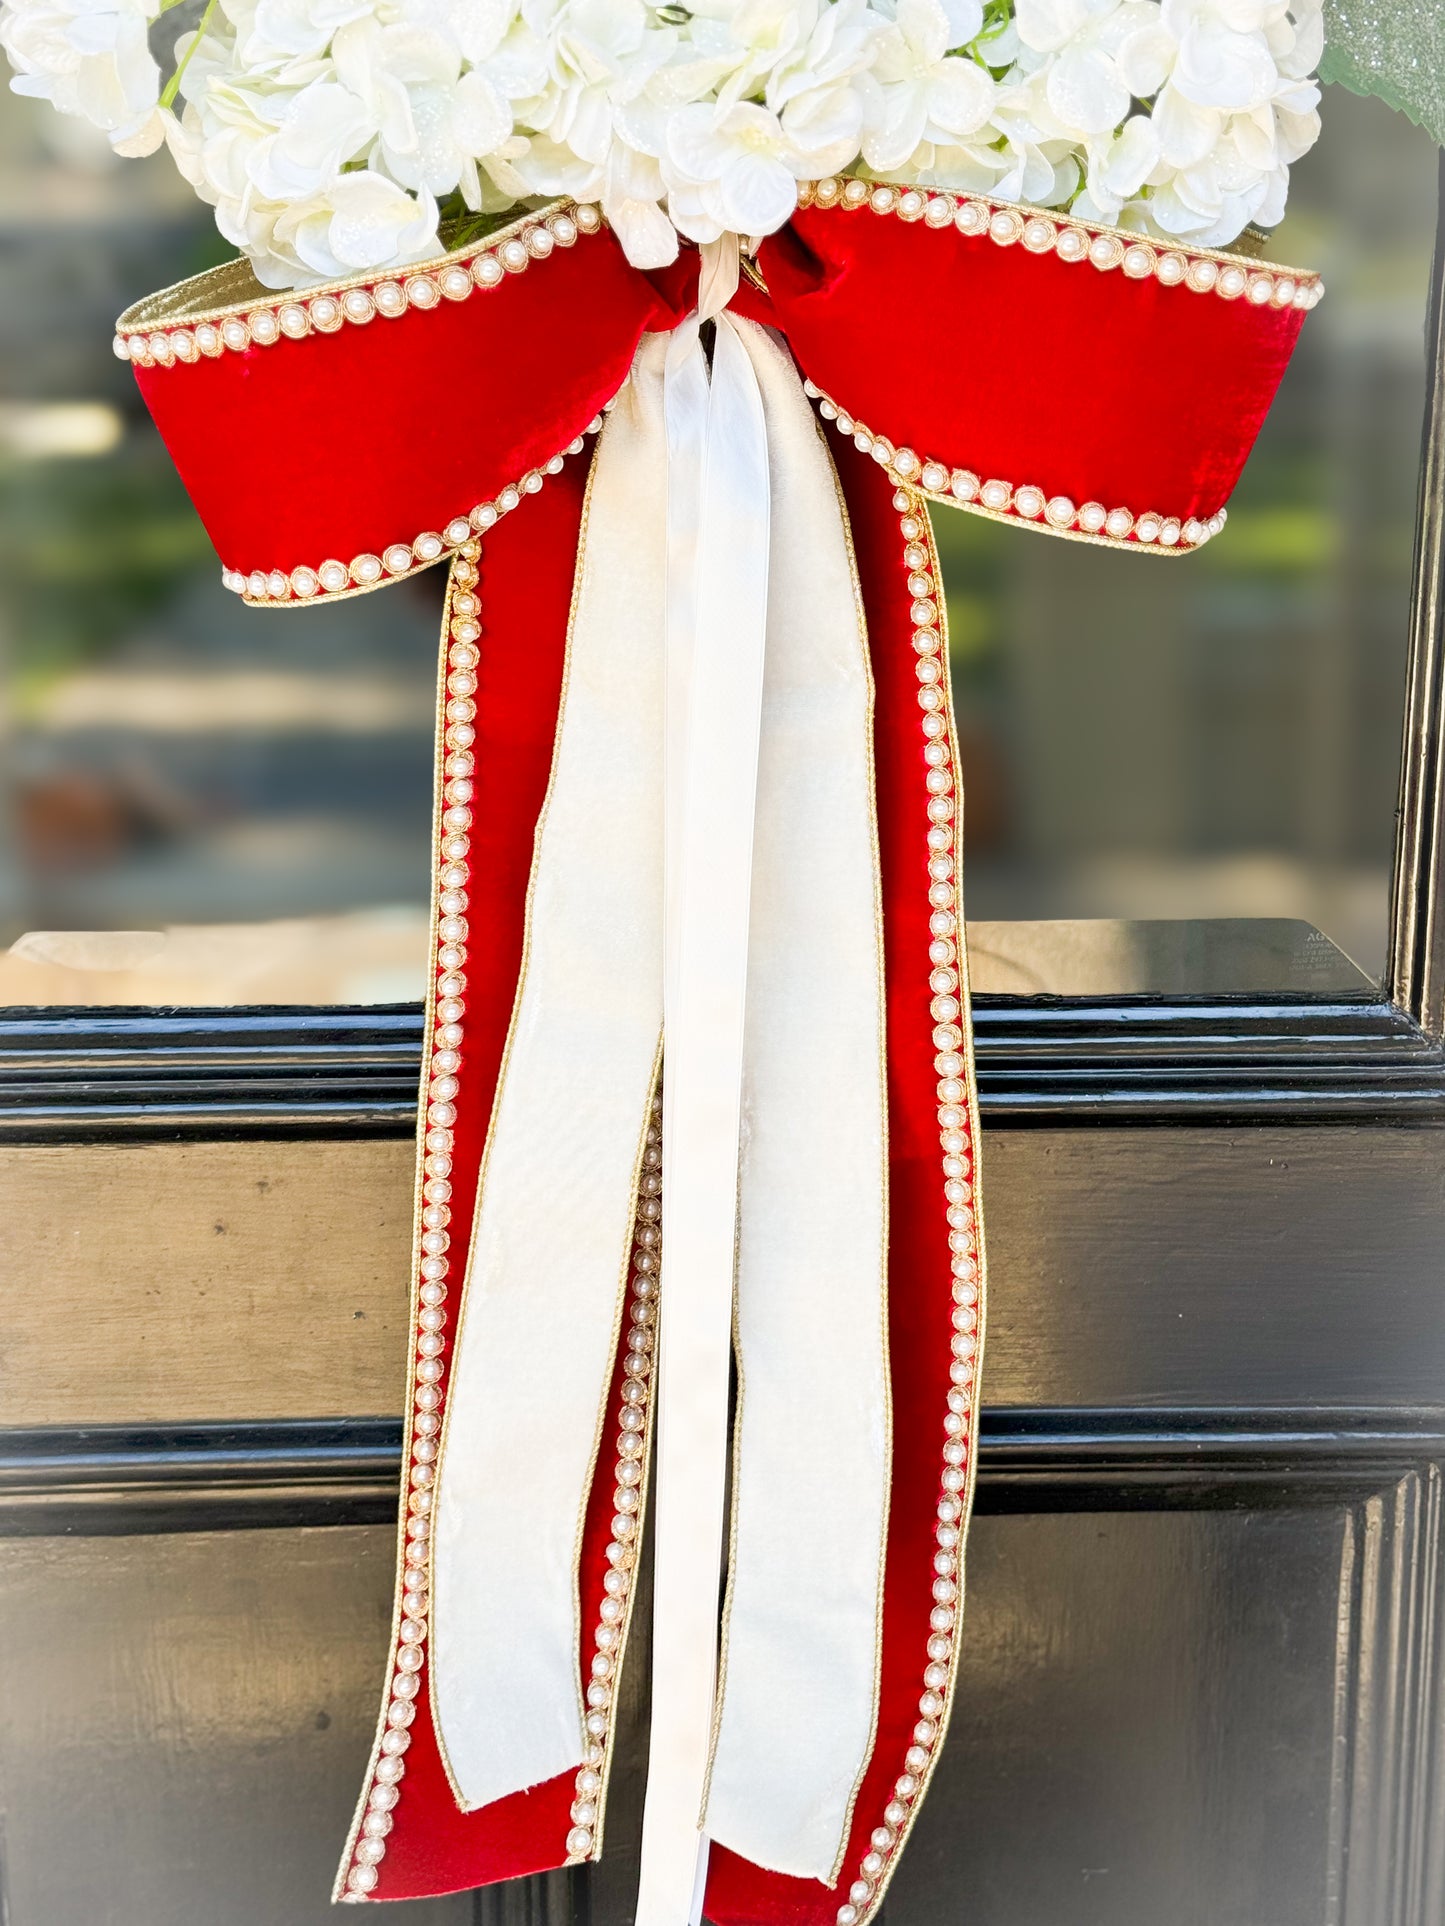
point(702, 782)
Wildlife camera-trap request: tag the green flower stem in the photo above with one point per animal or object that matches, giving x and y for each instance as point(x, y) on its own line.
point(173, 85)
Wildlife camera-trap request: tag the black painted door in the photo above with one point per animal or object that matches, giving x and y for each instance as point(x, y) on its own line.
point(1205, 1657)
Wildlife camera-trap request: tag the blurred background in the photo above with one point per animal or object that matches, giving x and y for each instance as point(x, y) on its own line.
point(1178, 777)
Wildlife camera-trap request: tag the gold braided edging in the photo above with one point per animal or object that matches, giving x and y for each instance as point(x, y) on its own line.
point(227, 310)
point(957, 1113)
point(1024, 503)
point(333, 581)
point(629, 1498)
point(443, 1067)
point(1006, 223)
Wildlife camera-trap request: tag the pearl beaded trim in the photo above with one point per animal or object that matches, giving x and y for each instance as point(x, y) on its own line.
point(333, 579)
point(1004, 501)
point(957, 1134)
point(443, 1069)
point(442, 1072)
point(629, 1499)
point(1005, 223)
point(455, 278)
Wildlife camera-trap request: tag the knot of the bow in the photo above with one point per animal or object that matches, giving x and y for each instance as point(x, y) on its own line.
point(718, 275)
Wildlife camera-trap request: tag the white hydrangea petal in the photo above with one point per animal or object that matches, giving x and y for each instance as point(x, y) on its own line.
point(518, 68)
point(1298, 97)
point(648, 237)
point(1125, 19)
point(823, 124)
point(893, 58)
point(589, 129)
point(696, 147)
point(1125, 163)
point(1037, 176)
point(481, 118)
point(641, 125)
point(476, 26)
point(1085, 91)
point(1186, 132)
point(1173, 215)
point(143, 138)
point(1270, 211)
point(691, 215)
point(965, 21)
point(960, 98)
point(1254, 137)
point(1308, 43)
point(501, 184)
point(1297, 133)
point(1217, 68)
point(1047, 25)
point(111, 95)
point(924, 25)
point(548, 167)
point(1145, 59)
point(1235, 167)
point(374, 223)
point(759, 194)
point(1243, 16)
point(895, 126)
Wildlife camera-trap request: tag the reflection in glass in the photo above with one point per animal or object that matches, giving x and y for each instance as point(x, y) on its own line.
point(205, 804)
point(1253, 956)
point(1219, 736)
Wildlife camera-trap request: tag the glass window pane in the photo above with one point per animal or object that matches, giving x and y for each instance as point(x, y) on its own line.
point(1215, 740)
point(206, 804)
point(203, 803)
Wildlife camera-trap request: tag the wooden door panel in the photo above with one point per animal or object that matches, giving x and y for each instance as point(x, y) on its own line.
point(184, 1722)
point(1214, 1267)
point(1204, 1644)
point(1199, 1714)
point(1166, 1716)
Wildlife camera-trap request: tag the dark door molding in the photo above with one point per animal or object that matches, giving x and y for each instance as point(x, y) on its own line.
point(1416, 970)
point(147, 1075)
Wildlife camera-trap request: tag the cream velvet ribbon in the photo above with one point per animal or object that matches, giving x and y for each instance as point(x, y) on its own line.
point(706, 864)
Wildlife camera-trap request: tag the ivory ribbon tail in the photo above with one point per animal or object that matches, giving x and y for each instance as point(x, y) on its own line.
point(717, 575)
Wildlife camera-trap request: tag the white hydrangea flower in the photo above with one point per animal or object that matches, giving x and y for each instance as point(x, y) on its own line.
point(1048, 26)
point(734, 171)
point(277, 38)
point(91, 58)
point(1037, 159)
point(726, 160)
point(817, 90)
point(599, 53)
point(359, 221)
point(921, 90)
point(432, 122)
point(1117, 167)
point(750, 40)
point(1115, 58)
point(328, 133)
point(317, 130)
point(1229, 119)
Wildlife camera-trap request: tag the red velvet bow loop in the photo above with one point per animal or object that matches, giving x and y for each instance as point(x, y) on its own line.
point(1089, 381)
point(1001, 358)
point(338, 424)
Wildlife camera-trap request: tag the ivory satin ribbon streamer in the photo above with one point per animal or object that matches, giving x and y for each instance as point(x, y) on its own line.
point(717, 659)
point(719, 513)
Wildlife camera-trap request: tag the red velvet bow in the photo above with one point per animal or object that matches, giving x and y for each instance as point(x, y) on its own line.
point(1006, 349)
point(1006, 360)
